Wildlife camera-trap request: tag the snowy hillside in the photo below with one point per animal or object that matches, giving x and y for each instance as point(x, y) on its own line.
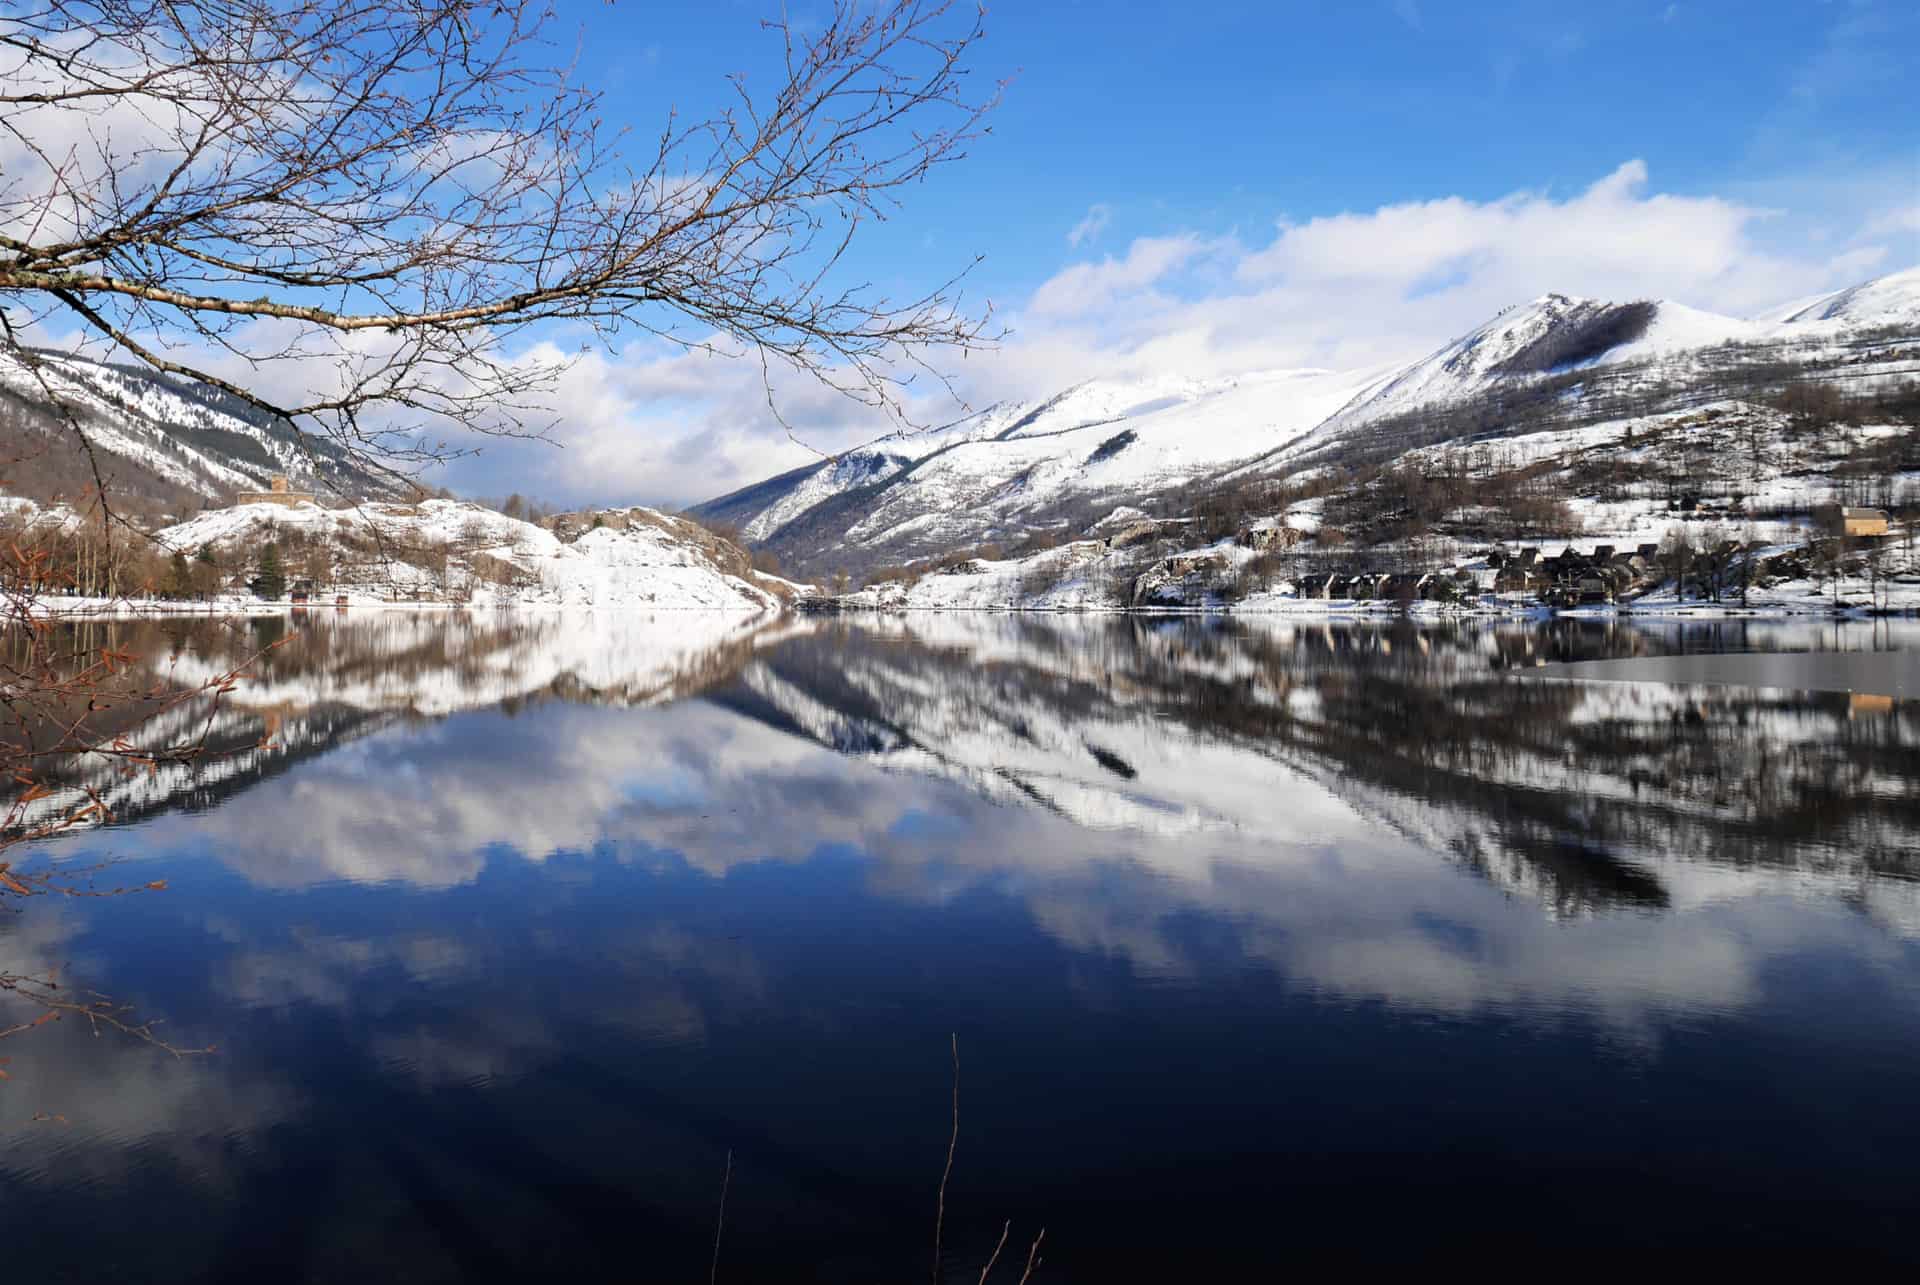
point(1888, 301)
point(1010, 464)
point(448, 551)
point(1056, 466)
point(148, 428)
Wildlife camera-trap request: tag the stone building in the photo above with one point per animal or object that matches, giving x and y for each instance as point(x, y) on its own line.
point(280, 494)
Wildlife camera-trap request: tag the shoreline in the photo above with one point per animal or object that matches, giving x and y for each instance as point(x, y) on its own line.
point(105, 609)
point(148, 609)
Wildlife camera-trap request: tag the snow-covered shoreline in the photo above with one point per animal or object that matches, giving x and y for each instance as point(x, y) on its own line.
point(66, 608)
point(431, 555)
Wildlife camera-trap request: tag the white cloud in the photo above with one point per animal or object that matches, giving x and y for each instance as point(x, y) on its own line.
point(1859, 263)
point(1085, 287)
point(653, 423)
point(1347, 290)
point(1901, 221)
point(1359, 288)
point(1091, 226)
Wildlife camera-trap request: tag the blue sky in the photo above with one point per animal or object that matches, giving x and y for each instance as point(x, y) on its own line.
point(1201, 188)
point(1218, 116)
point(1223, 186)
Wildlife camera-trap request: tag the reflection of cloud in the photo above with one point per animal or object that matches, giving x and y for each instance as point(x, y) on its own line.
point(326, 970)
point(655, 980)
point(425, 806)
point(987, 757)
point(119, 1097)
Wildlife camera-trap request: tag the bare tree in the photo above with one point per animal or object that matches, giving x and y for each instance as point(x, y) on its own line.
point(346, 212)
point(1677, 557)
point(358, 216)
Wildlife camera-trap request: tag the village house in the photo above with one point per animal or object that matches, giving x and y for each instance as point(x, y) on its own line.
point(1865, 522)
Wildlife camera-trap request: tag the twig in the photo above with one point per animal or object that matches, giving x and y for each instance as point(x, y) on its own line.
point(713, 1272)
point(988, 1269)
point(940, 1214)
point(1033, 1256)
point(99, 1011)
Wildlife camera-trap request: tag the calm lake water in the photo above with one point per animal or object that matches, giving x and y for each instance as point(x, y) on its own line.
point(1266, 947)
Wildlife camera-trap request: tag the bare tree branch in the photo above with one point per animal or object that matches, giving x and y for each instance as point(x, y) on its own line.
point(376, 204)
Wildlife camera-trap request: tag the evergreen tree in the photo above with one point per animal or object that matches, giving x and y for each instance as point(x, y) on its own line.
point(206, 573)
point(271, 583)
point(179, 577)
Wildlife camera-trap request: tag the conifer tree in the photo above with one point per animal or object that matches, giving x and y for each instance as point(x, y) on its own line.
point(179, 577)
point(206, 573)
point(272, 580)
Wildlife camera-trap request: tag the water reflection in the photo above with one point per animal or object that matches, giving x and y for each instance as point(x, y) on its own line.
point(515, 925)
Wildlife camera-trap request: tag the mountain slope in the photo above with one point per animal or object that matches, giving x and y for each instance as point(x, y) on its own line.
point(448, 551)
point(1059, 466)
point(156, 436)
point(1891, 300)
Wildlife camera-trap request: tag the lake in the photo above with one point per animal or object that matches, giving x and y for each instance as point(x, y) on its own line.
point(1264, 945)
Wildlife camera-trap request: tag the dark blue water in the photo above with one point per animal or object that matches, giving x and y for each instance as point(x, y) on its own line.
point(1264, 948)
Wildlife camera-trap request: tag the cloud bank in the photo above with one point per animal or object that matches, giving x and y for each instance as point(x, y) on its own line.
point(1347, 290)
point(656, 423)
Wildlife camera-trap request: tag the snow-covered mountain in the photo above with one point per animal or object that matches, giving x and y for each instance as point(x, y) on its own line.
point(1062, 464)
point(157, 435)
point(450, 551)
point(1886, 301)
point(436, 552)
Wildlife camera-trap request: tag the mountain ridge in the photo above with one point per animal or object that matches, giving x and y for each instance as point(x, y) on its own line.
point(158, 436)
point(1059, 464)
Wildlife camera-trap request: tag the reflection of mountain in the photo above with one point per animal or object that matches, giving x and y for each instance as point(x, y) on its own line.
point(1584, 796)
point(325, 681)
point(1189, 736)
point(437, 663)
point(556, 955)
